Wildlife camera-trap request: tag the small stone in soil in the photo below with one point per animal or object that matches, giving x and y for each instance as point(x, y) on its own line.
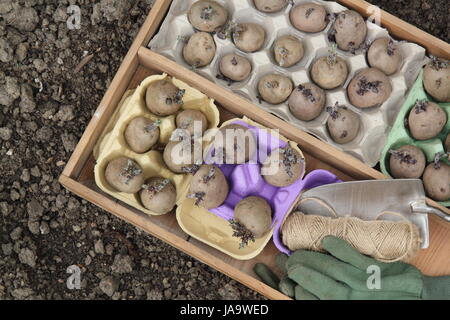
point(109, 285)
point(28, 257)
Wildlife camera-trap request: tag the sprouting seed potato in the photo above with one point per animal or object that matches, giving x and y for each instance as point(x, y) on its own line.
point(163, 98)
point(369, 88)
point(200, 50)
point(208, 187)
point(235, 67)
point(407, 162)
point(242, 148)
point(158, 195)
point(288, 50)
point(275, 88)
point(385, 55)
point(124, 175)
point(283, 167)
point(426, 120)
point(142, 134)
point(436, 180)
point(349, 30)
point(207, 16)
point(343, 125)
point(177, 157)
point(255, 214)
point(270, 6)
point(190, 119)
point(307, 101)
point(309, 17)
point(249, 37)
point(329, 73)
point(436, 80)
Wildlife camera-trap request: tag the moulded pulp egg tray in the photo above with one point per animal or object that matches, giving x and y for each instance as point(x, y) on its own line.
point(376, 122)
point(112, 143)
point(213, 227)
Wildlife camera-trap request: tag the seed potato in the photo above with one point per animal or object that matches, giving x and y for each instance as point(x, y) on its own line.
point(141, 134)
point(163, 98)
point(158, 195)
point(255, 214)
point(307, 101)
point(249, 37)
point(207, 16)
point(309, 17)
point(426, 120)
point(241, 149)
point(437, 181)
point(176, 160)
point(436, 80)
point(329, 74)
point(288, 50)
point(235, 67)
point(343, 125)
point(209, 187)
point(369, 88)
point(385, 55)
point(187, 119)
point(407, 162)
point(124, 175)
point(275, 88)
point(270, 6)
point(284, 166)
point(199, 50)
point(350, 30)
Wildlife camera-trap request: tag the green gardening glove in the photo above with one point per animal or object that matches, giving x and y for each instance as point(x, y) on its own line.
point(348, 275)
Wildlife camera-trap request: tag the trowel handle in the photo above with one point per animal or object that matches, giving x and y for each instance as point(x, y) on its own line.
point(422, 207)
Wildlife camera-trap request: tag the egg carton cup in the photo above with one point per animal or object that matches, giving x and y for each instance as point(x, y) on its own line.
point(400, 135)
point(376, 122)
point(212, 227)
point(112, 143)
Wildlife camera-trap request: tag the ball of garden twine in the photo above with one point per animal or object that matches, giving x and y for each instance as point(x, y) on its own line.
point(386, 241)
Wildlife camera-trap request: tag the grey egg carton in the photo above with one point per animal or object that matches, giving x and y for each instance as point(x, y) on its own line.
point(375, 122)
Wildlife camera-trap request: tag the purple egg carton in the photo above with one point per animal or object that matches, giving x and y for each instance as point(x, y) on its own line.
point(245, 180)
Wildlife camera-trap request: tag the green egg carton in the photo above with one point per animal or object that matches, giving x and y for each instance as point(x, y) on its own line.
point(400, 136)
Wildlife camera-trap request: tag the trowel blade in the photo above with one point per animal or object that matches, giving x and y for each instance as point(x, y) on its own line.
point(368, 199)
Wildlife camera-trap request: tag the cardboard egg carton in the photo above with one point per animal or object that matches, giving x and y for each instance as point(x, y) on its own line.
point(112, 143)
point(375, 122)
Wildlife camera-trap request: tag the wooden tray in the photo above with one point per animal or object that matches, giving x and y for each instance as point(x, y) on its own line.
point(78, 175)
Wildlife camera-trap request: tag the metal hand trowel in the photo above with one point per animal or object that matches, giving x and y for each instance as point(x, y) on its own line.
point(393, 200)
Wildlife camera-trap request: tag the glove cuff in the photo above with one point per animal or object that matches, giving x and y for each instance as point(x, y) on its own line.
point(436, 288)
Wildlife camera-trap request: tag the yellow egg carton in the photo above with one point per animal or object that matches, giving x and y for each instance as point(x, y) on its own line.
point(112, 143)
point(214, 229)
